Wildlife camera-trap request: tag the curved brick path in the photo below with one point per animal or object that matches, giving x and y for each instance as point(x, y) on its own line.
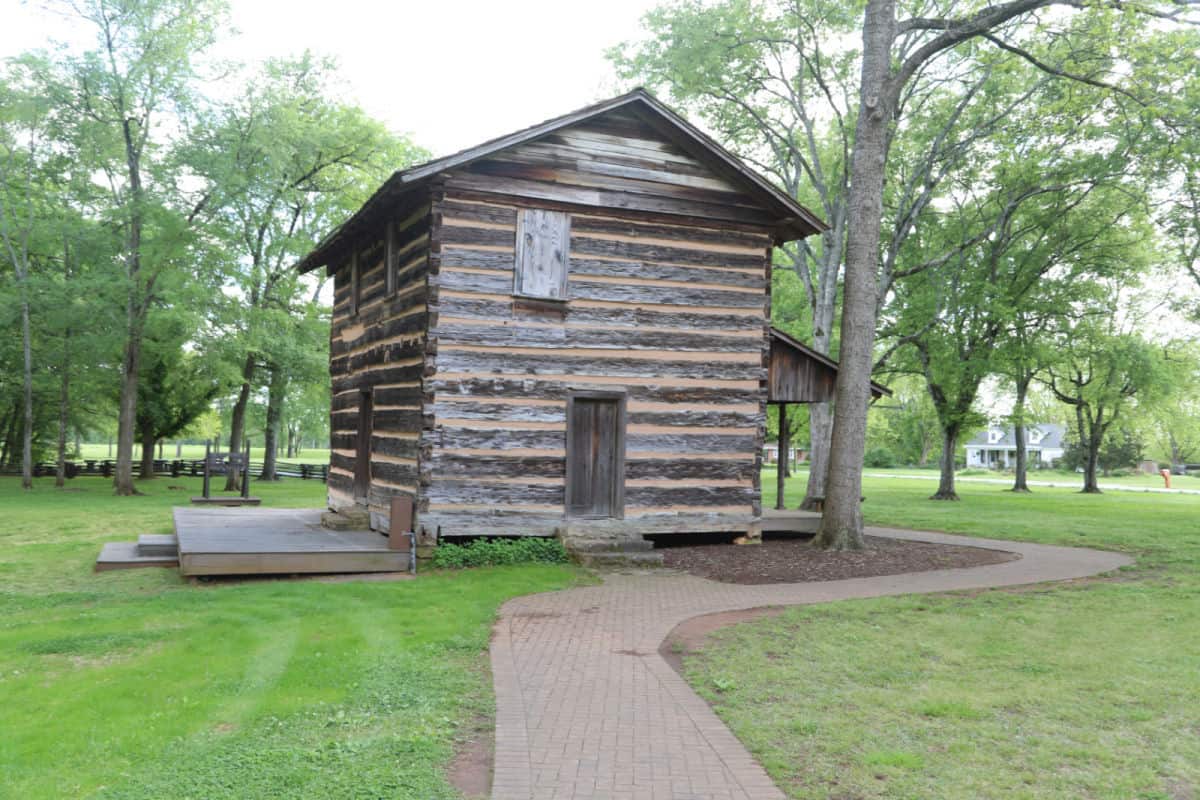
point(586, 708)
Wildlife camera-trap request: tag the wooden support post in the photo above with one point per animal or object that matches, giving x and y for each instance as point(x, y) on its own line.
point(246, 470)
point(207, 462)
point(781, 463)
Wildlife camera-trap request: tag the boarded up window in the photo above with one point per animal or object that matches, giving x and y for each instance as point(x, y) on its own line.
point(354, 283)
point(543, 238)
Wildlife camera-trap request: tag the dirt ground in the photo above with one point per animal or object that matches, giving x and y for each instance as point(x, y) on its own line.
point(793, 559)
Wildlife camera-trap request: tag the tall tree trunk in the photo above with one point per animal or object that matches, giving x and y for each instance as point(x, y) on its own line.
point(178, 449)
point(820, 427)
point(785, 443)
point(26, 394)
point(110, 445)
point(1020, 483)
point(148, 442)
point(291, 441)
point(1176, 450)
point(6, 439)
point(949, 451)
point(237, 426)
point(64, 407)
point(276, 390)
point(127, 405)
point(1090, 483)
point(841, 522)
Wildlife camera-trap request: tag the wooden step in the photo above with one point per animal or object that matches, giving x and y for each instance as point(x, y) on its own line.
point(582, 544)
point(226, 501)
point(611, 560)
point(124, 555)
point(158, 544)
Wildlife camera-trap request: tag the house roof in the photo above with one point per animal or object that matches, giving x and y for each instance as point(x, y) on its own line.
point(877, 390)
point(1054, 436)
point(795, 221)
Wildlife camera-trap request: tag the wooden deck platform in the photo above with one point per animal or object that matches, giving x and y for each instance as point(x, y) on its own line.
point(262, 541)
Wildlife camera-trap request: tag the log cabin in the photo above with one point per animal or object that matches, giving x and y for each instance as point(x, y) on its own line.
point(563, 330)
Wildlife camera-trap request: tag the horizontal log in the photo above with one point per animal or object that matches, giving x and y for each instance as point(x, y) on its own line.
point(478, 212)
point(463, 235)
point(380, 496)
point(408, 325)
point(584, 266)
point(662, 254)
point(470, 491)
point(401, 419)
point(495, 522)
point(581, 288)
point(395, 447)
point(384, 354)
point(692, 233)
point(454, 437)
point(396, 474)
point(611, 338)
point(682, 469)
point(508, 364)
point(403, 373)
point(551, 389)
point(690, 443)
point(689, 495)
point(616, 316)
point(683, 416)
point(453, 465)
point(499, 411)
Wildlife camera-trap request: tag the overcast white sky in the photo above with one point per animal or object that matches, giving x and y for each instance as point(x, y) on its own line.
point(451, 73)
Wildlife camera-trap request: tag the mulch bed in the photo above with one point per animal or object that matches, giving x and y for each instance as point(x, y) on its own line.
point(794, 560)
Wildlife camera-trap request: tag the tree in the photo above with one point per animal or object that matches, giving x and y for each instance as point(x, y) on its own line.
point(26, 153)
point(129, 94)
point(286, 158)
point(1099, 373)
point(176, 388)
point(894, 52)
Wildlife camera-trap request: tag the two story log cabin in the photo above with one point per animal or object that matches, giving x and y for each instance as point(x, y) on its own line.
point(565, 327)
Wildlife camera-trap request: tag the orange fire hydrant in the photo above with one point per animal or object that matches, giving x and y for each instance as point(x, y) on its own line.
point(1166, 473)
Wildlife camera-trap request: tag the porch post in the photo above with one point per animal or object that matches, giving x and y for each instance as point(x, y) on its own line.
point(782, 461)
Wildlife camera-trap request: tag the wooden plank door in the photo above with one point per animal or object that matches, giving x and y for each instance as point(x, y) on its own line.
point(362, 451)
point(596, 455)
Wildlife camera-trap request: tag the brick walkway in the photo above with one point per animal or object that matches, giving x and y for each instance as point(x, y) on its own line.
point(586, 708)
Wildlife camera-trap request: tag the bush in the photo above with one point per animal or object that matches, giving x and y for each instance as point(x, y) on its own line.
point(879, 458)
point(497, 552)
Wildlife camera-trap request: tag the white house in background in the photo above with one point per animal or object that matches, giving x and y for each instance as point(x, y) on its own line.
point(996, 447)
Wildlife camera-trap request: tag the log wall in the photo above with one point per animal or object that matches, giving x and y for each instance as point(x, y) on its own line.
point(673, 313)
point(380, 347)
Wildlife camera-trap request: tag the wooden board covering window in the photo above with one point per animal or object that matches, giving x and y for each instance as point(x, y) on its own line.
point(354, 283)
point(543, 238)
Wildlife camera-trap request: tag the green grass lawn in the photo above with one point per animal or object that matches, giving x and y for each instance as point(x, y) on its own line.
point(134, 684)
point(1060, 477)
point(1090, 690)
point(195, 451)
